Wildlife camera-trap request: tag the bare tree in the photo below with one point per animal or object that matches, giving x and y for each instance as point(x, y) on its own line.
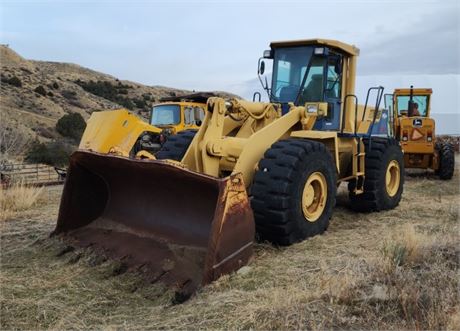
point(12, 142)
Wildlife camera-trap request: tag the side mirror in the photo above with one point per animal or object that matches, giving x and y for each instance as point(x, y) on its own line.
point(261, 68)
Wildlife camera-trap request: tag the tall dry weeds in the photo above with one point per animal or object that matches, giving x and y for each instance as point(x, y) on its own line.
point(419, 274)
point(17, 198)
point(405, 247)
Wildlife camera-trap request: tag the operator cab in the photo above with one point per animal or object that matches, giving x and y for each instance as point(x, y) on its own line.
point(309, 71)
point(418, 107)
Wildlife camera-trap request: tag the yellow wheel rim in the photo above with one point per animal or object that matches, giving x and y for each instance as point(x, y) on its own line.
point(314, 196)
point(392, 178)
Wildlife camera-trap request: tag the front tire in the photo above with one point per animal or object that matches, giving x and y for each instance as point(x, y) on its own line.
point(446, 161)
point(294, 191)
point(175, 147)
point(384, 177)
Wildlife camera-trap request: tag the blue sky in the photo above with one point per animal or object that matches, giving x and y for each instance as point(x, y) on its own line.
point(214, 45)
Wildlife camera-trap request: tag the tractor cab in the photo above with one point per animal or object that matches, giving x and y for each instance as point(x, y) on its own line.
point(413, 125)
point(309, 71)
point(412, 102)
point(320, 73)
point(178, 115)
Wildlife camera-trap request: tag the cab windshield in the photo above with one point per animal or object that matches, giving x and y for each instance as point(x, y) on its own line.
point(418, 107)
point(165, 115)
point(289, 68)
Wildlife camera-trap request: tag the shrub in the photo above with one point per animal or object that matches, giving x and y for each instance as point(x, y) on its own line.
point(46, 132)
point(55, 153)
point(139, 103)
point(26, 70)
point(109, 91)
point(69, 95)
point(71, 125)
point(40, 90)
point(17, 198)
point(55, 85)
point(14, 81)
point(405, 249)
point(125, 102)
point(76, 103)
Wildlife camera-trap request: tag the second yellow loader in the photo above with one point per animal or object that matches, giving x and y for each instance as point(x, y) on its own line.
point(120, 132)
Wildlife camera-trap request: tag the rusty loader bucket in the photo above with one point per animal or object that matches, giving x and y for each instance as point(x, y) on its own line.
point(177, 227)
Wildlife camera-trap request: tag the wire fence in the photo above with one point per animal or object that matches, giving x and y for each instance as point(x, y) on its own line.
point(31, 174)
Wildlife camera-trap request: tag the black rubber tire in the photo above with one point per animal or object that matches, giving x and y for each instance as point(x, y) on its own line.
point(278, 186)
point(175, 147)
point(377, 159)
point(446, 160)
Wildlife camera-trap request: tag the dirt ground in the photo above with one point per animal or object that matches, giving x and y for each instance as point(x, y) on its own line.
point(390, 270)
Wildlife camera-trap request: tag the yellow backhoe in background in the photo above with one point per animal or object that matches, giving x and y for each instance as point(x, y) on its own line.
point(415, 129)
point(187, 216)
point(120, 132)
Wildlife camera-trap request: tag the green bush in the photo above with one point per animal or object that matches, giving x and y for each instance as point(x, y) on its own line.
point(55, 153)
point(107, 90)
point(40, 90)
point(69, 95)
point(71, 125)
point(139, 103)
point(14, 81)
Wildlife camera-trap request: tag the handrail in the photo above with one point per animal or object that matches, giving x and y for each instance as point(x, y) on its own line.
point(345, 111)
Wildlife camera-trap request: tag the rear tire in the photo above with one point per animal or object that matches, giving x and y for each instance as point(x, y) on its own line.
point(384, 177)
point(446, 161)
point(175, 147)
point(296, 177)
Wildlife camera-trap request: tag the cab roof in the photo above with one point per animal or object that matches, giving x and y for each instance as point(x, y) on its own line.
point(199, 97)
point(346, 48)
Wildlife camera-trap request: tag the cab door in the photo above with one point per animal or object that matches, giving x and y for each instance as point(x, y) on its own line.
point(332, 94)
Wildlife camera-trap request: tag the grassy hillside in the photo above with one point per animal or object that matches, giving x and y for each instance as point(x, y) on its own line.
point(35, 94)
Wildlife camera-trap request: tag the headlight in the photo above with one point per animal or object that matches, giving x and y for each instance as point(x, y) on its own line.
point(319, 50)
point(312, 109)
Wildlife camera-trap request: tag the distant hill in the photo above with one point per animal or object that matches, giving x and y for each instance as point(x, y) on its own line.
point(35, 94)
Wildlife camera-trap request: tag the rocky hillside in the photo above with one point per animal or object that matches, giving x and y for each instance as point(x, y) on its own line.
point(35, 94)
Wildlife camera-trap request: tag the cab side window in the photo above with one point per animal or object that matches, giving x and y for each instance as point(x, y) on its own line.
point(199, 115)
point(188, 116)
point(193, 115)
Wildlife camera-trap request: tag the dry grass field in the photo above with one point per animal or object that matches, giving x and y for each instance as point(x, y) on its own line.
point(389, 270)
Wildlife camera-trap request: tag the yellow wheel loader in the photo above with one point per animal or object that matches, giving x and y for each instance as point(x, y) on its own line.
point(414, 128)
point(191, 215)
point(120, 132)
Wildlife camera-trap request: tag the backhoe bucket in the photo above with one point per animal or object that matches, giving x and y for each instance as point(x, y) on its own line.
point(176, 226)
